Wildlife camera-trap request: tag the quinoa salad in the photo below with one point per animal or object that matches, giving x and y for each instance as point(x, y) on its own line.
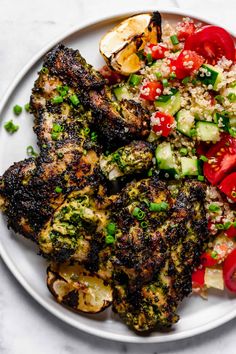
point(187, 82)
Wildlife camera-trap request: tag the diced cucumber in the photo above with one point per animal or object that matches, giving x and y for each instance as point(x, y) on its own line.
point(207, 131)
point(166, 160)
point(169, 103)
point(211, 76)
point(185, 122)
point(232, 122)
point(121, 92)
point(189, 166)
point(222, 120)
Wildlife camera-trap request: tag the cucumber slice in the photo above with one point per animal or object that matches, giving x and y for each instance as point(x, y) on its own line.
point(222, 120)
point(211, 77)
point(170, 104)
point(121, 92)
point(185, 122)
point(207, 131)
point(189, 166)
point(166, 160)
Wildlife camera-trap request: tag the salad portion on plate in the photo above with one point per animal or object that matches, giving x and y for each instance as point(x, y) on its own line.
point(132, 196)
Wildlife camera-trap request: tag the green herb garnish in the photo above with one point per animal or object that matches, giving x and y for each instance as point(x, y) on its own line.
point(10, 127)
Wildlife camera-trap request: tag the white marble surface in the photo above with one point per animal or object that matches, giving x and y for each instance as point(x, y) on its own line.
point(25, 327)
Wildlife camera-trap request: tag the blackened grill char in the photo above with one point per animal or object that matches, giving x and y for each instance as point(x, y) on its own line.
point(150, 265)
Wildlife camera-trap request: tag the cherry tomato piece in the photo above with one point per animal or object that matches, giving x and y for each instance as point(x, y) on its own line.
point(185, 29)
point(229, 271)
point(212, 42)
point(231, 232)
point(187, 63)
point(207, 260)
point(198, 277)
point(112, 76)
point(151, 90)
point(156, 50)
point(221, 159)
point(228, 186)
point(162, 123)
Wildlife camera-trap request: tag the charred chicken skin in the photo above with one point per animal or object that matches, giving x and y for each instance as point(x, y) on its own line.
point(140, 245)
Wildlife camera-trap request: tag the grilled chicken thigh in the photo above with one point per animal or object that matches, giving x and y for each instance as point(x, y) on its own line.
point(60, 200)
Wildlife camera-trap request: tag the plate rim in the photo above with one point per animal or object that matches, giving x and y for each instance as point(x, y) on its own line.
point(97, 20)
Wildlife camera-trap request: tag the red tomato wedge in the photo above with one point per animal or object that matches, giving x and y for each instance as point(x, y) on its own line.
point(231, 232)
point(151, 90)
point(187, 63)
point(228, 186)
point(212, 42)
point(185, 29)
point(207, 260)
point(198, 277)
point(156, 50)
point(221, 159)
point(162, 123)
point(229, 271)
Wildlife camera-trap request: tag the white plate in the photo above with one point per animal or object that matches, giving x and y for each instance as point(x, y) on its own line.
point(20, 255)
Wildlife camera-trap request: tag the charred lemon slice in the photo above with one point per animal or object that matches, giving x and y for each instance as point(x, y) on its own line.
point(121, 46)
point(77, 288)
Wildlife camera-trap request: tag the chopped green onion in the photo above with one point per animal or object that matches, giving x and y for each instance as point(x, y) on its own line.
point(172, 76)
point(214, 208)
point(10, 127)
point(44, 146)
point(94, 136)
point(55, 135)
point(86, 131)
point(174, 39)
point(44, 70)
point(186, 80)
point(158, 75)
point(220, 226)
point(109, 239)
point(227, 225)
point(214, 254)
point(150, 172)
point(183, 151)
point(162, 206)
point(27, 107)
point(138, 213)
point(57, 99)
point(60, 155)
point(194, 81)
point(134, 79)
point(149, 58)
point(58, 189)
point(232, 97)
point(144, 224)
point(30, 151)
point(219, 98)
point(17, 109)
point(165, 83)
point(62, 90)
point(57, 128)
point(194, 151)
point(203, 158)
point(111, 228)
point(74, 100)
point(200, 178)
